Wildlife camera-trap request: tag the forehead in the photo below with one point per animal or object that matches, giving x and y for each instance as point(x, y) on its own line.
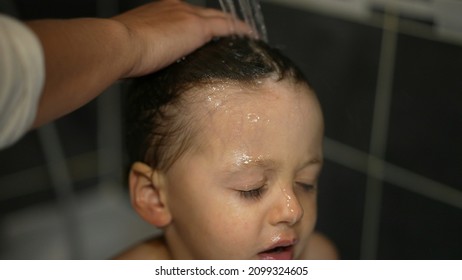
point(231, 97)
point(262, 102)
point(253, 120)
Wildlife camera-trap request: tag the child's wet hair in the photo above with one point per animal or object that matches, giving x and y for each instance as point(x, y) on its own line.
point(160, 124)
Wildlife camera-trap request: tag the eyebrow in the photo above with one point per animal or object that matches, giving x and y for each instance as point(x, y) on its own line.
point(262, 163)
point(313, 161)
point(268, 164)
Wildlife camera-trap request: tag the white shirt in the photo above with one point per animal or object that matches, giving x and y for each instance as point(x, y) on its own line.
point(22, 75)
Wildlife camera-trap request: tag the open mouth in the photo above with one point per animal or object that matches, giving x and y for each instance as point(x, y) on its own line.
point(278, 253)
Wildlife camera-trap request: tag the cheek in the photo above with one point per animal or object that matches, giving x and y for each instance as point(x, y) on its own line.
point(309, 205)
point(210, 210)
point(239, 222)
point(235, 214)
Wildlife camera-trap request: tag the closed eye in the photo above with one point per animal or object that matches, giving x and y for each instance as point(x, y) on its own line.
point(252, 194)
point(307, 187)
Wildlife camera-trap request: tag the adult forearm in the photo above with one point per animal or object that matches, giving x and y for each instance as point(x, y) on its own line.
point(85, 56)
point(82, 58)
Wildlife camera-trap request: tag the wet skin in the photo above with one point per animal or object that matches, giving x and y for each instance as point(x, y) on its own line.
point(249, 190)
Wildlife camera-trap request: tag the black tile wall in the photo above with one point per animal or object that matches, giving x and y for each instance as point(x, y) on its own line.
point(425, 133)
point(340, 207)
point(77, 134)
point(416, 227)
point(26, 153)
point(78, 130)
point(55, 9)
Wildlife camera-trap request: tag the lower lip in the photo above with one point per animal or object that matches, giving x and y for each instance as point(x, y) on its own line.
point(286, 254)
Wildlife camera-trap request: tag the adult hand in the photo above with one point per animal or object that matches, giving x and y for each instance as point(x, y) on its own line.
point(84, 56)
point(163, 31)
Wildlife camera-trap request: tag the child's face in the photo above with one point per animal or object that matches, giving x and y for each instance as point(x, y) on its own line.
point(251, 187)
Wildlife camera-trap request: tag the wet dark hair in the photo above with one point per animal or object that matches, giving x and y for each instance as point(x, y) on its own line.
point(159, 125)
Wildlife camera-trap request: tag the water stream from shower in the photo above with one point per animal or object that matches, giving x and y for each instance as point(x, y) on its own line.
point(250, 11)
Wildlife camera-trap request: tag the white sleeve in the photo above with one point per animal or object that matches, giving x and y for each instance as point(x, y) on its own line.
point(22, 75)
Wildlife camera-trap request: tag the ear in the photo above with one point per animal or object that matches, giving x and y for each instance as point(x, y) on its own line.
point(148, 195)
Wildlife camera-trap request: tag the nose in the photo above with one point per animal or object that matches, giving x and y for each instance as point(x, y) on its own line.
point(287, 208)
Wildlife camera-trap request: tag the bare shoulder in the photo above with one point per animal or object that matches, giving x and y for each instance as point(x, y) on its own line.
point(319, 247)
point(152, 249)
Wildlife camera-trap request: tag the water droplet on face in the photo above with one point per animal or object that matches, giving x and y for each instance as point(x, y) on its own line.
point(253, 118)
point(288, 201)
point(276, 238)
point(246, 159)
point(213, 100)
point(242, 158)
